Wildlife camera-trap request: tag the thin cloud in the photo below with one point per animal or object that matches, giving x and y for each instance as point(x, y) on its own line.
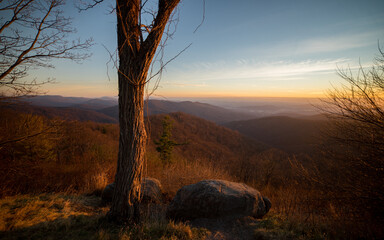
point(318, 45)
point(248, 69)
point(334, 44)
point(183, 84)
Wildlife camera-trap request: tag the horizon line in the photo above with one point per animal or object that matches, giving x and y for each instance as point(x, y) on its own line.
point(190, 97)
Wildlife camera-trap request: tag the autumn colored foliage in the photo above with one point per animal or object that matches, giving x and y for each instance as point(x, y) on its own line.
point(40, 154)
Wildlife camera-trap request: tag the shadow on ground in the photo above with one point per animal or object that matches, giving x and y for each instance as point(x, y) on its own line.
point(73, 227)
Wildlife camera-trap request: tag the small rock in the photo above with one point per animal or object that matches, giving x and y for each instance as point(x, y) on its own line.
point(107, 194)
point(151, 190)
point(150, 187)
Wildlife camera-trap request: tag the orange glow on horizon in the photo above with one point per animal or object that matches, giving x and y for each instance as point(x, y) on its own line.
point(245, 95)
point(94, 93)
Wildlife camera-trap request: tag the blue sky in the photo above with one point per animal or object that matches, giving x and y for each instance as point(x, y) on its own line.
point(243, 48)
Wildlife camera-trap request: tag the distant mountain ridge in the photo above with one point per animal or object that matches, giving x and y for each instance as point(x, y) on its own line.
point(282, 132)
point(202, 110)
point(76, 102)
point(95, 104)
point(109, 108)
point(55, 100)
point(66, 113)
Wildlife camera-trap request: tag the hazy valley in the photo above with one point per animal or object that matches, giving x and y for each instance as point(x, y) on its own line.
point(293, 126)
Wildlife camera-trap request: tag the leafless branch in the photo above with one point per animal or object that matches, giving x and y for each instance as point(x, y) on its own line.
point(32, 33)
point(357, 113)
point(86, 5)
point(202, 20)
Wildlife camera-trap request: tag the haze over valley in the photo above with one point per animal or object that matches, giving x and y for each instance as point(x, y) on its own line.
point(215, 109)
point(292, 125)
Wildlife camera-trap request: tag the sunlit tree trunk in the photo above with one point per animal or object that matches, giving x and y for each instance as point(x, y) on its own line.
point(131, 150)
point(135, 57)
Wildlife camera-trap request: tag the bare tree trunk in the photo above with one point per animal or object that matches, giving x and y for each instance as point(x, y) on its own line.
point(135, 57)
point(131, 152)
point(132, 136)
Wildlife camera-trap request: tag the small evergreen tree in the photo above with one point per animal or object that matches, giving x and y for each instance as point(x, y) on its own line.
point(165, 144)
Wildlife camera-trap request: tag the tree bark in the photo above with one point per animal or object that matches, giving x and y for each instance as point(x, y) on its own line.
point(131, 152)
point(135, 57)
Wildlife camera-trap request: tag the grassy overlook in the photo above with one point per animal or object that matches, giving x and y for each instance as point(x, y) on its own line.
point(65, 171)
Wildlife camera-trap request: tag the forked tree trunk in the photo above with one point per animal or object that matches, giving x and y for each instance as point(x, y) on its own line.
point(135, 57)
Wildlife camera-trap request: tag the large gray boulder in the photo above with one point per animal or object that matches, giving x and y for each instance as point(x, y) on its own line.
point(150, 187)
point(217, 198)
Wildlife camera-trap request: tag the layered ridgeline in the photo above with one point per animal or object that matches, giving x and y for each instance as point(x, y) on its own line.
point(288, 126)
point(107, 107)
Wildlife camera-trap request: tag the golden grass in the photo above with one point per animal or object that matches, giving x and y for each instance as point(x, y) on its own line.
point(53, 216)
point(184, 172)
point(27, 210)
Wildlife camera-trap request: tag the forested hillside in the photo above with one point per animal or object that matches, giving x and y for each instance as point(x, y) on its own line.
point(296, 135)
point(51, 152)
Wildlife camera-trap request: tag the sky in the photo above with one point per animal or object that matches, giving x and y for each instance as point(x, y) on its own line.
point(245, 48)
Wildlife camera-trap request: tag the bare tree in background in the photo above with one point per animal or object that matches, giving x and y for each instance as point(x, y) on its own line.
point(355, 151)
point(32, 34)
point(358, 108)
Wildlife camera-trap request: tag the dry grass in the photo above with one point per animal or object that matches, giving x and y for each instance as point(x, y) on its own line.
point(27, 210)
point(299, 213)
point(82, 177)
point(296, 212)
point(52, 216)
point(183, 172)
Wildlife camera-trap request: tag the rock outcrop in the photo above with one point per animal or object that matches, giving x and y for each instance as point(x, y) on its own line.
point(150, 187)
point(217, 198)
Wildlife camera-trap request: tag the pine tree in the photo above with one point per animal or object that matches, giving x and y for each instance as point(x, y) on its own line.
point(165, 144)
